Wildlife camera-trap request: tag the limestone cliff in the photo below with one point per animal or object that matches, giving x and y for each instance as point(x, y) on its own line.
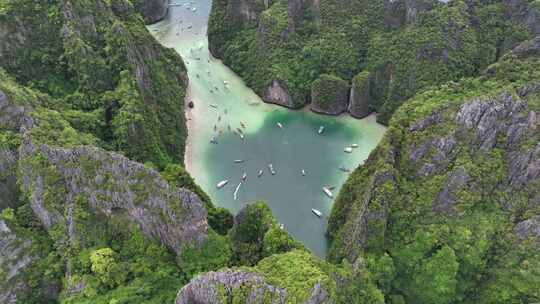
point(459, 164)
point(152, 10)
point(405, 46)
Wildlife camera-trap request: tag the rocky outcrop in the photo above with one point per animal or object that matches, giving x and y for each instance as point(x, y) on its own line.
point(528, 48)
point(277, 93)
point(524, 12)
point(14, 258)
point(230, 286)
point(8, 179)
point(152, 10)
point(112, 185)
point(359, 102)
point(529, 228)
point(329, 95)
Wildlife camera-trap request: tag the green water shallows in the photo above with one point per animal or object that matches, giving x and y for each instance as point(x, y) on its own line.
point(221, 100)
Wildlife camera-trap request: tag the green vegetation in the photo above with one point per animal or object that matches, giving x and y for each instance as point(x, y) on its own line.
point(467, 251)
point(403, 54)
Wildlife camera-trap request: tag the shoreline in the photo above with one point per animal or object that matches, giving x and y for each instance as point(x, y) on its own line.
point(188, 152)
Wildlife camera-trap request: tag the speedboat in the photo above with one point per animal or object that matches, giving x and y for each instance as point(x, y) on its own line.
point(354, 146)
point(347, 150)
point(316, 212)
point(260, 173)
point(222, 183)
point(280, 125)
point(244, 176)
point(327, 191)
point(271, 167)
point(303, 172)
point(237, 161)
point(321, 130)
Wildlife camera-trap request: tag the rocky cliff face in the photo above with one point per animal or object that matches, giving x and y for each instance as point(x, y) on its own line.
point(112, 185)
point(260, 284)
point(152, 10)
point(106, 62)
point(14, 257)
point(402, 44)
point(329, 95)
point(447, 160)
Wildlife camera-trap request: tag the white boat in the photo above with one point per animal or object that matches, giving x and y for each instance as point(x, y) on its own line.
point(303, 172)
point(327, 191)
point(241, 135)
point(281, 226)
point(222, 183)
point(348, 150)
point(271, 167)
point(354, 146)
point(237, 161)
point(225, 82)
point(260, 173)
point(235, 195)
point(280, 125)
point(321, 130)
point(316, 212)
point(244, 176)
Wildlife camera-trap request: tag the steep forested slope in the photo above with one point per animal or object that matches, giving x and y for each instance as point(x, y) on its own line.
point(446, 209)
point(283, 49)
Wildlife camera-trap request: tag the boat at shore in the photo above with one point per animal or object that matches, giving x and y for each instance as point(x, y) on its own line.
point(328, 192)
point(344, 169)
point(348, 150)
point(316, 212)
point(222, 183)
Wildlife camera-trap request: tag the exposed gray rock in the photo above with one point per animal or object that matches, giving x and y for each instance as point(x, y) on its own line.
point(8, 179)
point(446, 198)
point(424, 123)
point(111, 182)
point(488, 118)
point(524, 166)
point(278, 94)
point(441, 152)
point(14, 258)
point(13, 116)
point(524, 12)
point(528, 48)
point(153, 10)
point(360, 96)
point(528, 228)
point(219, 287)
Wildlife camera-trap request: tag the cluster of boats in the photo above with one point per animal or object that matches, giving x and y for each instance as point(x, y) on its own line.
point(327, 190)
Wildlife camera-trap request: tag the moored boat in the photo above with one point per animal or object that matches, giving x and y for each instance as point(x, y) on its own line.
point(327, 191)
point(222, 183)
point(348, 150)
point(316, 212)
point(321, 130)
